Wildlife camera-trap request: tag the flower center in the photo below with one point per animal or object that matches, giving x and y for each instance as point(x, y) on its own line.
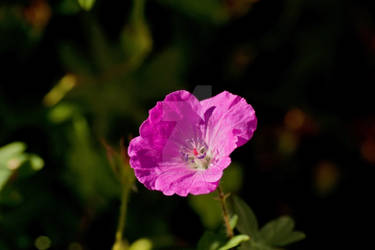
point(196, 154)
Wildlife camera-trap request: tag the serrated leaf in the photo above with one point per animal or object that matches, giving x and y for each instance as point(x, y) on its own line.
point(252, 245)
point(279, 232)
point(293, 237)
point(219, 241)
point(247, 222)
point(235, 241)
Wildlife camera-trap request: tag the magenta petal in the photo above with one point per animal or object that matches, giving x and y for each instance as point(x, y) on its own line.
point(180, 109)
point(154, 130)
point(233, 117)
point(207, 181)
point(184, 145)
point(170, 123)
point(203, 187)
point(144, 160)
point(182, 181)
point(215, 172)
point(184, 97)
point(175, 180)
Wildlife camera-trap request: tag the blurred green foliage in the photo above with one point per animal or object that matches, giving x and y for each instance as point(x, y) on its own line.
point(206, 10)
point(77, 73)
point(86, 4)
point(13, 161)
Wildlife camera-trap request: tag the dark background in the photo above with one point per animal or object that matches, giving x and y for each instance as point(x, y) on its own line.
point(306, 67)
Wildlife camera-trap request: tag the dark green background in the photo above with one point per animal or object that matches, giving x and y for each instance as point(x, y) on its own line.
point(316, 56)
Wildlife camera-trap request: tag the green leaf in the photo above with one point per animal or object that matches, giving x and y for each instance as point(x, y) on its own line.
point(279, 232)
point(253, 245)
point(235, 241)
point(219, 241)
point(276, 233)
point(247, 222)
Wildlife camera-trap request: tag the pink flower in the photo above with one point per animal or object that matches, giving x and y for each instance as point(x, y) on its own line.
point(185, 144)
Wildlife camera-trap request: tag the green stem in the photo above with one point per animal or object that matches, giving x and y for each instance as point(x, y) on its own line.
point(122, 217)
point(225, 212)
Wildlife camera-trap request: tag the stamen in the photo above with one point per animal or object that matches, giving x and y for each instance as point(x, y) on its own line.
point(196, 154)
point(202, 156)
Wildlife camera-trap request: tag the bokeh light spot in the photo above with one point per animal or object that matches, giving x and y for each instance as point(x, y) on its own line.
point(75, 246)
point(42, 242)
point(38, 13)
point(326, 177)
point(294, 119)
point(37, 163)
point(60, 90)
point(287, 142)
point(368, 150)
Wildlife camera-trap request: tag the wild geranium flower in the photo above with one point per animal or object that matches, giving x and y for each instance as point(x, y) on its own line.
point(185, 144)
